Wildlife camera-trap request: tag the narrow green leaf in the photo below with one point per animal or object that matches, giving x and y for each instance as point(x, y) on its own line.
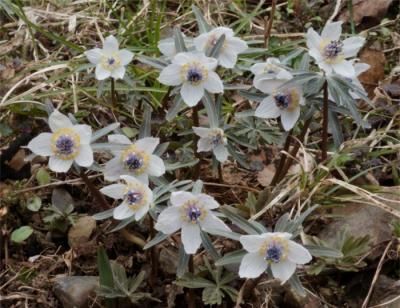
point(158, 238)
point(180, 45)
point(204, 27)
point(231, 258)
point(321, 251)
point(104, 267)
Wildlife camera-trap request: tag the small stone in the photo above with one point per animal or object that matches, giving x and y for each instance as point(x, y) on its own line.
point(80, 232)
point(74, 291)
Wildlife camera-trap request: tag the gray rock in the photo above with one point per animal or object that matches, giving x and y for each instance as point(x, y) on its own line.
point(386, 290)
point(74, 291)
point(81, 231)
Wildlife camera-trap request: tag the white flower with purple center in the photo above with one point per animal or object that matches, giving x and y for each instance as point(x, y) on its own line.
point(269, 75)
point(137, 198)
point(66, 144)
point(274, 250)
point(167, 45)
point(195, 72)
point(231, 47)
point(135, 159)
point(212, 139)
point(110, 61)
point(190, 213)
point(330, 52)
point(284, 103)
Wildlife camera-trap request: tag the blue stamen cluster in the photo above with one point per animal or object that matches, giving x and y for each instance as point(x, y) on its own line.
point(65, 145)
point(273, 253)
point(133, 197)
point(282, 100)
point(333, 49)
point(133, 161)
point(111, 61)
point(193, 213)
point(194, 75)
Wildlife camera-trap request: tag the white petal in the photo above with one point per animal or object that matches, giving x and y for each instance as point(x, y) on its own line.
point(85, 133)
point(344, 68)
point(119, 139)
point(182, 58)
point(210, 63)
point(289, 118)
point(267, 109)
point(208, 202)
point(252, 265)
point(218, 31)
point(201, 131)
point(201, 41)
point(101, 73)
point(113, 169)
point(267, 85)
point(41, 145)
point(298, 254)
point(257, 68)
point(167, 47)
point(352, 45)
point(94, 55)
point(191, 95)
point(332, 31)
point(252, 243)
point(227, 59)
point(313, 39)
point(110, 44)
point(115, 191)
point(122, 211)
point(171, 75)
point(213, 222)
point(147, 144)
point(169, 220)
point(57, 120)
point(360, 68)
point(59, 165)
point(204, 145)
point(191, 239)
point(213, 84)
point(85, 156)
point(141, 212)
point(326, 67)
point(316, 54)
point(221, 153)
point(118, 73)
point(283, 270)
point(284, 75)
point(143, 178)
point(178, 198)
point(125, 56)
point(236, 45)
point(156, 166)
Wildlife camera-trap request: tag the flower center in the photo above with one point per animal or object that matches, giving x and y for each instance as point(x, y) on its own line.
point(194, 73)
point(333, 49)
point(217, 137)
point(111, 62)
point(65, 143)
point(271, 68)
point(133, 197)
point(287, 100)
point(134, 159)
point(275, 250)
point(192, 212)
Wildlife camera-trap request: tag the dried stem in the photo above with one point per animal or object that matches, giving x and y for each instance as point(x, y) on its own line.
point(154, 253)
point(268, 26)
point(220, 174)
point(324, 145)
point(94, 191)
point(282, 159)
point(192, 300)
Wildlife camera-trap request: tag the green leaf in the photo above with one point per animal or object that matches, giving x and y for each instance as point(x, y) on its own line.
point(191, 281)
point(182, 261)
point(177, 106)
point(208, 245)
point(104, 267)
point(156, 240)
point(145, 128)
point(21, 234)
point(43, 177)
point(214, 52)
point(322, 251)
point(238, 220)
point(212, 296)
point(104, 215)
point(228, 234)
point(231, 257)
point(179, 40)
point(295, 283)
point(34, 204)
point(211, 110)
point(104, 131)
point(201, 22)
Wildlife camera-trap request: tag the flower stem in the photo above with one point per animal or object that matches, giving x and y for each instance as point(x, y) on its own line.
point(268, 26)
point(154, 254)
point(195, 118)
point(94, 191)
point(113, 99)
point(324, 145)
point(282, 159)
point(192, 301)
point(220, 174)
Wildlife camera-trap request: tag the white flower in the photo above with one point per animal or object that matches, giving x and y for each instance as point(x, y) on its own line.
point(136, 159)
point(359, 68)
point(67, 143)
point(231, 47)
point(330, 52)
point(109, 61)
point(167, 45)
point(269, 75)
point(284, 103)
point(190, 213)
point(273, 249)
point(195, 72)
point(212, 139)
point(136, 196)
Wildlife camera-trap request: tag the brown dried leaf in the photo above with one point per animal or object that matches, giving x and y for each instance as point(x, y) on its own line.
point(372, 9)
point(264, 177)
point(371, 78)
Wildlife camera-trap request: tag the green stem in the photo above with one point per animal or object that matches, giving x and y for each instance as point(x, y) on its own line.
point(195, 117)
point(282, 159)
point(324, 145)
point(113, 96)
point(351, 15)
point(192, 300)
